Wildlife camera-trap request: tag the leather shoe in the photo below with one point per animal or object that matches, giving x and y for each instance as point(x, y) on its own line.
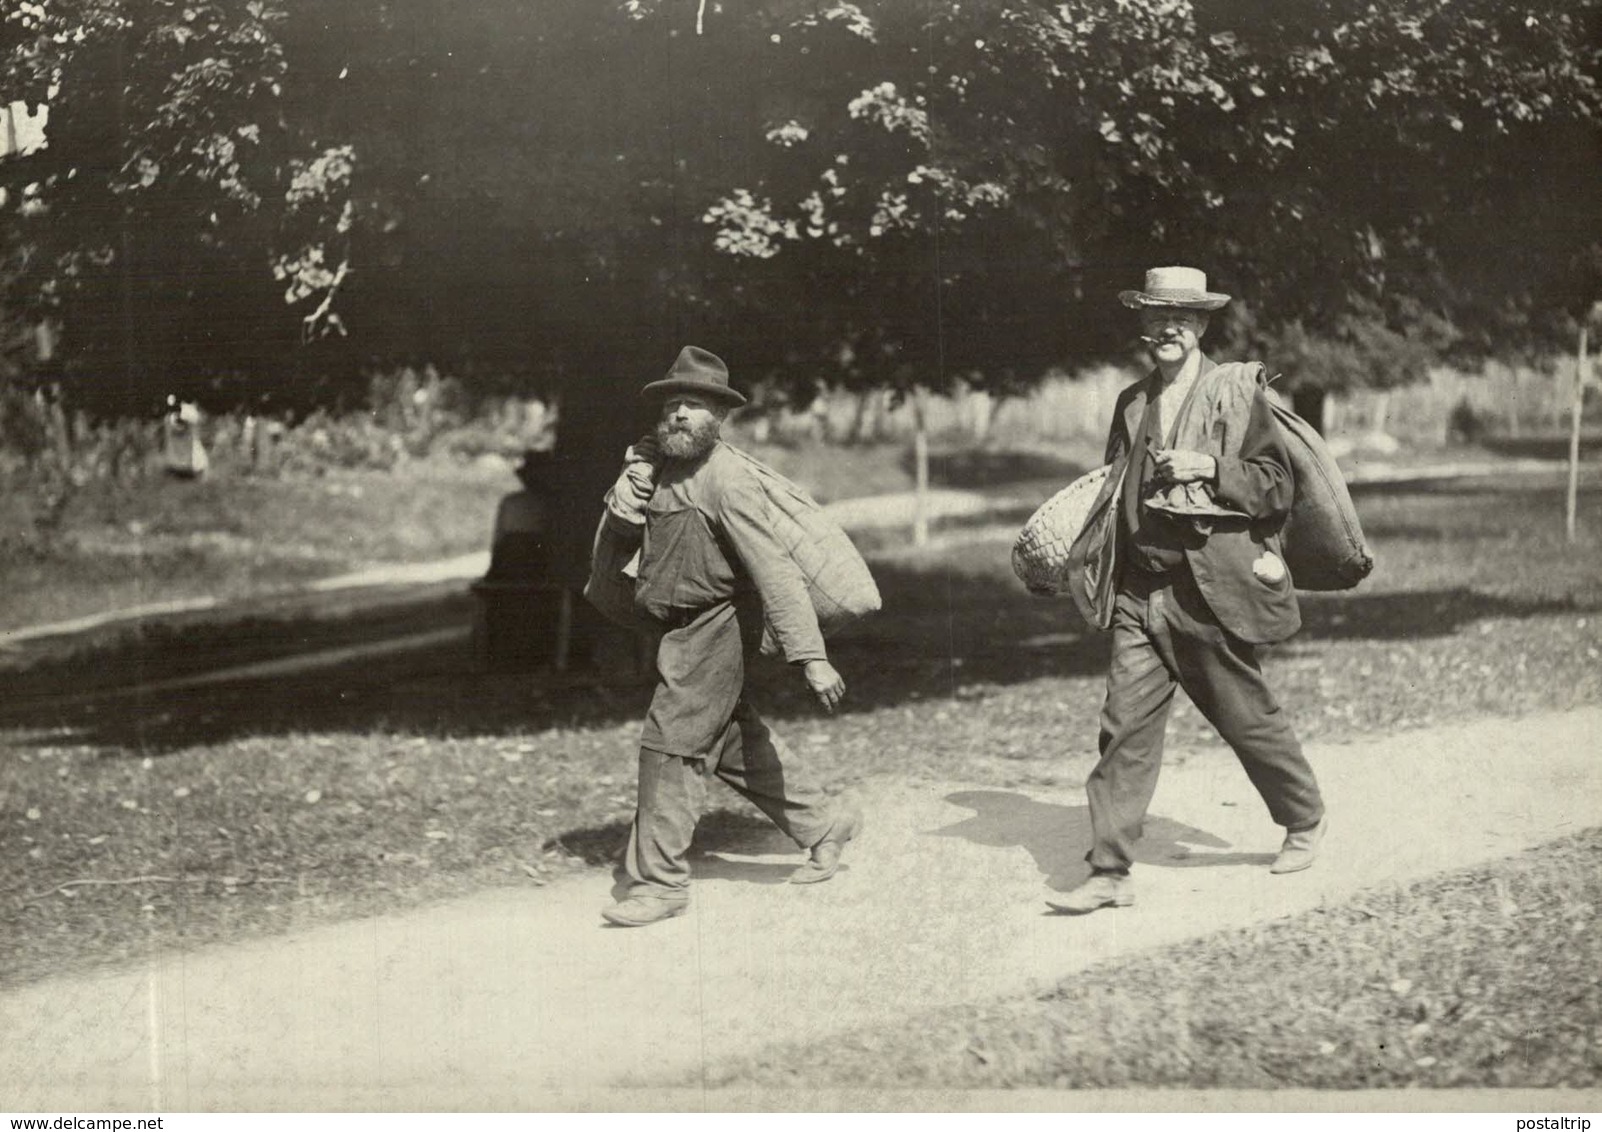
point(1300, 849)
point(637, 911)
point(1101, 890)
point(825, 860)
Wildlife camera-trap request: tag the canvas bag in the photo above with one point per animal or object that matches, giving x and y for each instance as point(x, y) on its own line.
point(1322, 538)
point(610, 586)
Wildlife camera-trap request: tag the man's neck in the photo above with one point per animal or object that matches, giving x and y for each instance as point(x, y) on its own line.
point(1182, 372)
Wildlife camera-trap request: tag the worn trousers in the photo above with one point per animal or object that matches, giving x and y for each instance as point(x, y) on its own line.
point(1164, 636)
point(672, 791)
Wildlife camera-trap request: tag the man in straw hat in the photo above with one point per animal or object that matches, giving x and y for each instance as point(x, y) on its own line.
point(1199, 582)
point(710, 571)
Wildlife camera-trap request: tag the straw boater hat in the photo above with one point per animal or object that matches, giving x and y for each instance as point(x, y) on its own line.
point(1182, 287)
point(697, 371)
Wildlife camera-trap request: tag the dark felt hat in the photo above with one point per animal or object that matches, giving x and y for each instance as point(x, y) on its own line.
point(696, 371)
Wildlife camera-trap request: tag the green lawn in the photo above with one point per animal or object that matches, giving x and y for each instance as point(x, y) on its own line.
point(168, 539)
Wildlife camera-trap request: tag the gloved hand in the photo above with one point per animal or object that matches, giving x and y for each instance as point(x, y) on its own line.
point(637, 483)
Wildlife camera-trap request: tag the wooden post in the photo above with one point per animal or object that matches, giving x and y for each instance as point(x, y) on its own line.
point(1571, 514)
point(920, 464)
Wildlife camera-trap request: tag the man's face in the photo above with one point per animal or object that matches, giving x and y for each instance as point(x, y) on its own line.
point(1172, 334)
point(689, 425)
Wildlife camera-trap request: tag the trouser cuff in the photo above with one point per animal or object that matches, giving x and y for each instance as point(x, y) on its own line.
point(1303, 827)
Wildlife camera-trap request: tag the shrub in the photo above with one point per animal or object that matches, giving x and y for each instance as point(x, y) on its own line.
point(49, 457)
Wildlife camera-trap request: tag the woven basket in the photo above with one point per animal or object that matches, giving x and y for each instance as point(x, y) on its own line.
point(1040, 554)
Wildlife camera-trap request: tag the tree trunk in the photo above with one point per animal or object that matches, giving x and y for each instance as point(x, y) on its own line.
point(1382, 410)
point(859, 419)
point(981, 414)
point(920, 465)
point(1571, 511)
point(1513, 414)
point(1308, 403)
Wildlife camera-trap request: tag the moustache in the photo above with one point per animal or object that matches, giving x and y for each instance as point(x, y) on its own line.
point(1159, 341)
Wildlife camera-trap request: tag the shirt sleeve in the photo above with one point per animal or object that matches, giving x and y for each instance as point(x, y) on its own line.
point(746, 517)
point(1258, 481)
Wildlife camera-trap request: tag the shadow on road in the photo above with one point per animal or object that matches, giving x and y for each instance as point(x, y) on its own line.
point(1057, 836)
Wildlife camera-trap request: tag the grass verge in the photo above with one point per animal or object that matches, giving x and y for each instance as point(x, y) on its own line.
point(1485, 977)
point(124, 546)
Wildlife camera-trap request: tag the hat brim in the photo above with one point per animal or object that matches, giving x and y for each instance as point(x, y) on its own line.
point(1139, 300)
point(724, 393)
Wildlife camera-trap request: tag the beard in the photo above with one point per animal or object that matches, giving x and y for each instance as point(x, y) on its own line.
point(687, 442)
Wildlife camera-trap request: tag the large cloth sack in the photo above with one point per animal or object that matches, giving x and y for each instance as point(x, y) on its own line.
point(1040, 554)
point(1323, 541)
point(610, 586)
point(838, 581)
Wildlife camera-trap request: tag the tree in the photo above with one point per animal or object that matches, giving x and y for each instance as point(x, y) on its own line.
point(870, 195)
point(931, 190)
point(176, 226)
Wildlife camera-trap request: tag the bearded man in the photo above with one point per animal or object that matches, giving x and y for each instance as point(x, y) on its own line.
point(710, 571)
point(1197, 582)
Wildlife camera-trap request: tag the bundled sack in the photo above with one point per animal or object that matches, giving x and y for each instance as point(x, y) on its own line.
point(1040, 555)
point(838, 581)
point(1323, 541)
point(610, 587)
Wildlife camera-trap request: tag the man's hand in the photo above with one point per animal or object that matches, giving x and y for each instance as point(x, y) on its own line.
point(1180, 465)
point(645, 450)
point(825, 683)
point(637, 482)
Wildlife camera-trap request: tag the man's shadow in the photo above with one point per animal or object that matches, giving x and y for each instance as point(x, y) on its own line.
point(1058, 836)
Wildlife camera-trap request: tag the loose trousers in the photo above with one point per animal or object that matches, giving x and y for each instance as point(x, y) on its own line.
point(1165, 636)
point(672, 791)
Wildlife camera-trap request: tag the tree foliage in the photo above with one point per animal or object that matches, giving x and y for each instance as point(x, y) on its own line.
point(994, 171)
point(866, 194)
point(177, 225)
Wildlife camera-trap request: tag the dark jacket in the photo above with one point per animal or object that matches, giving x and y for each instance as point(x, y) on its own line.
point(1227, 416)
